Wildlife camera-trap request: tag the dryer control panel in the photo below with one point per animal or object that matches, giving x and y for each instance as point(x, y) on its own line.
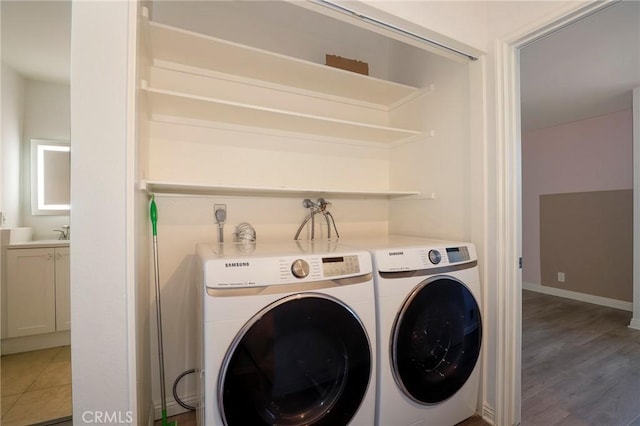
point(417, 258)
point(457, 254)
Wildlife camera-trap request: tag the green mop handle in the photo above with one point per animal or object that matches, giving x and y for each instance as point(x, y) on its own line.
point(153, 215)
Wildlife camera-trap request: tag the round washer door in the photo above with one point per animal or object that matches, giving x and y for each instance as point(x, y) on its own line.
point(436, 340)
point(303, 360)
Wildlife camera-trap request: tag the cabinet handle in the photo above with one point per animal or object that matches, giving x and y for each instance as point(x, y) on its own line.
point(49, 256)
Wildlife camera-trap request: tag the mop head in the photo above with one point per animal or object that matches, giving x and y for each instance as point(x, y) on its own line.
point(165, 422)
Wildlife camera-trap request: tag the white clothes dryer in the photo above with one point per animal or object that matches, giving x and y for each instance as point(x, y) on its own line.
point(287, 334)
point(429, 330)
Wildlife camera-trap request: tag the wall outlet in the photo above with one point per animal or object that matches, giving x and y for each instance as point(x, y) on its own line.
point(561, 277)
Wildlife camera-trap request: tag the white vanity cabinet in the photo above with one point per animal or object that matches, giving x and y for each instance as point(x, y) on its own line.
point(37, 291)
point(63, 289)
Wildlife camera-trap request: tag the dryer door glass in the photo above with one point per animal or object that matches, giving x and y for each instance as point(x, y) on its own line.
point(436, 340)
point(304, 360)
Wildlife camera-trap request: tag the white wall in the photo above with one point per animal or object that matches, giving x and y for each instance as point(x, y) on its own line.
point(205, 155)
point(459, 21)
point(504, 18)
point(46, 116)
point(594, 154)
point(103, 311)
point(13, 92)
point(99, 287)
point(184, 222)
point(437, 163)
point(277, 27)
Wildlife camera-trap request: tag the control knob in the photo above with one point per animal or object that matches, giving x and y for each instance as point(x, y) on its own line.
point(435, 257)
point(300, 268)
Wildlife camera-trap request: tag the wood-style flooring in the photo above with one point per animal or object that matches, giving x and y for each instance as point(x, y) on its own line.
point(189, 419)
point(580, 364)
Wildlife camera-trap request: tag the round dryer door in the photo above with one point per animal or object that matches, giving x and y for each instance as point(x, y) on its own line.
point(436, 340)
point(303, 360)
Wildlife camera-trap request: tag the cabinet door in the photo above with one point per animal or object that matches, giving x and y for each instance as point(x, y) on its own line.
point(63, 290)
point(30, 292)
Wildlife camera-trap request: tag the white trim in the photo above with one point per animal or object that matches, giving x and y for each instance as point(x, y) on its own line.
point(488, 414)
point(36, 342)
point(508, 218)
point(37, 164)
point(508, 244)
point(133, 339)
point(635, 321)
point(582, 297)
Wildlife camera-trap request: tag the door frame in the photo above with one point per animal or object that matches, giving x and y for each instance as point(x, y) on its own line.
point(635, 320)
point(509, 197)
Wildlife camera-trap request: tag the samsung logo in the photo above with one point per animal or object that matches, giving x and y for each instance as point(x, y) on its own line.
point(396, 253)
point(236, 264)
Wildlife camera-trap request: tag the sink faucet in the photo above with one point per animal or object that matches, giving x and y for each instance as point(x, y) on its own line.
point(64, 232)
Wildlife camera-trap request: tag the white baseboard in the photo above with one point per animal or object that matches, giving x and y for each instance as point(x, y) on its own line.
point(151, 413)
point(582, 297)
point(488, 414)
point(635, 323)
point(34, 343)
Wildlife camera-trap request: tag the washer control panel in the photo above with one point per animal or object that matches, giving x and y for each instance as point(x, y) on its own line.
point(301, 268)
point(340, 265)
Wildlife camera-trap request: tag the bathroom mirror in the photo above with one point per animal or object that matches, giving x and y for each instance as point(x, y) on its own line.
point(50, 173)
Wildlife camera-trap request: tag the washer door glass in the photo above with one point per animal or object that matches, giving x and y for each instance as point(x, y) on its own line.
point(436, 340)
point(304, 360)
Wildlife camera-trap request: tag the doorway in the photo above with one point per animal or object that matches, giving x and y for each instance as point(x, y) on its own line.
point(510, 241)
point(36, 364)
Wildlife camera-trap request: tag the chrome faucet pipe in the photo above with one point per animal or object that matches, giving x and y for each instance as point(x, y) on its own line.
point(304, 222)
point(322, 206)
point(334, 224)
point(307, 204)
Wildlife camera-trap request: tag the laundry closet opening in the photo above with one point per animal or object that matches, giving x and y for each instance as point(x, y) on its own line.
point(238, 108)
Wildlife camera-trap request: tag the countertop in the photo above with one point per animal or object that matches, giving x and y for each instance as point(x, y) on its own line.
point(39, 244)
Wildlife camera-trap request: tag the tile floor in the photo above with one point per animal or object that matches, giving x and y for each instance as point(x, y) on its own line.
point(36, 386)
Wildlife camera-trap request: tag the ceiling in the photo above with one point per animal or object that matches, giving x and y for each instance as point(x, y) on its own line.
point(36, 38)
point(587, 69)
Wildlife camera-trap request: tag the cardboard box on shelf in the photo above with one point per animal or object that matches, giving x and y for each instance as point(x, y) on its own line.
point(347, 64)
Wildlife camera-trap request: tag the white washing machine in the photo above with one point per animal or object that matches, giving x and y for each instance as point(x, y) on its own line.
point(287, 334)
point(429, 330)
